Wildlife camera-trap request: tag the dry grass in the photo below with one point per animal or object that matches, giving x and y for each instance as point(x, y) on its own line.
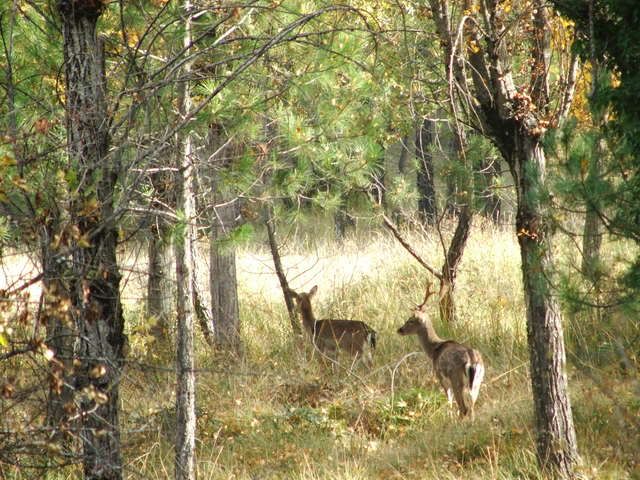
point(275, 413)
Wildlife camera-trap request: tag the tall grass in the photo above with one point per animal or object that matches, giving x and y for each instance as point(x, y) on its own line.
point(276, 413)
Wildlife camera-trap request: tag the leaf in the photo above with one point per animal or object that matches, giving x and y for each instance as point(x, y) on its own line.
point(4, 341)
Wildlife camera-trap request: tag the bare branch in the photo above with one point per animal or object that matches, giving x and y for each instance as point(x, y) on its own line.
point(389, 224)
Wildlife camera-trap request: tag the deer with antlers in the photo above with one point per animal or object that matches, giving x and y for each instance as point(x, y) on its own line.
point(330, 335)
point(459, 368)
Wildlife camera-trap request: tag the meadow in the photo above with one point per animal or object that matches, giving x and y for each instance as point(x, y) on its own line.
point(274, 412)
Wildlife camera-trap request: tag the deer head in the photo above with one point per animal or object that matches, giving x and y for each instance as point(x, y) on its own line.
point(419, 318)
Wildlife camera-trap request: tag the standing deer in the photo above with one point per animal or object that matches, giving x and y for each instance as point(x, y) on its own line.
point(328, 335)
point(459, 368)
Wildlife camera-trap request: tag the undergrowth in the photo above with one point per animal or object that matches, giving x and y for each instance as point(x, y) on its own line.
point(273, 411)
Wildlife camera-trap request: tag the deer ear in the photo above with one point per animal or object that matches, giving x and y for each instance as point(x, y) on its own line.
point(313, 290)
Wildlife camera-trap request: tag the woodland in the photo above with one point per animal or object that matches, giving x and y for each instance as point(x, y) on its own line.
point(183, 182)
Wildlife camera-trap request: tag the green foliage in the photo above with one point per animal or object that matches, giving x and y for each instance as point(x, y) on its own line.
point(615, 26)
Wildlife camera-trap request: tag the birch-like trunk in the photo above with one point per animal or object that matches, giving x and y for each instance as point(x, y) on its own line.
point(185, 311)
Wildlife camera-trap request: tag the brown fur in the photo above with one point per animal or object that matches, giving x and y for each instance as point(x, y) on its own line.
point(331, 335)
point(458, 368)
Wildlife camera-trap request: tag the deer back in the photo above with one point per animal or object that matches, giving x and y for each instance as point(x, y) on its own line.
point(350, 335)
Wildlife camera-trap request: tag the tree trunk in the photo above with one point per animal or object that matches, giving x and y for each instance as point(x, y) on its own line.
point(425, 179)
point(592, 234)
point(184, 250)
point(591, 242)
point(277, 263)
point(455, 148)
point(222, 279)
point(342, 220)
point(511, 119)
point(404, 154)
point(61, 335)
point(450, 266)
point(159, 289)
point(95, 291)
point(222, 254)
point(492, 205)
point(556, 439)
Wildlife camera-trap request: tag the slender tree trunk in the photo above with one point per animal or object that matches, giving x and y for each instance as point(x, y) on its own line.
point(425, 178)
point(452, 261)
point(95, 291)
point(492, 205)
point(342, 220)
point(159, 290)
point(461, 234)
point(282, 278)
point(185, 311)
point(556, 439)
point(592, 234)
point(378, 187)
point(455, 146)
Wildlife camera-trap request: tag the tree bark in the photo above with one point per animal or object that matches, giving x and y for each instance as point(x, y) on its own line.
point(556, 439)
point(592, 235)
point(159, 290)
point(224, 215)
point(95, 292)
point(452, 261)
point(342, 220)
point(404, 154)
point(61, 336)
point(424, 176)
point(185, 311)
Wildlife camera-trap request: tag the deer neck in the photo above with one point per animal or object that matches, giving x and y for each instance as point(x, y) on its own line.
point(308, 320)
point(429, 339)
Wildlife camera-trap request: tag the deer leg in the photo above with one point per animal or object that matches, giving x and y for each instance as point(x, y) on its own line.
point(458, 391)
point(469, 402)
point(448, 390)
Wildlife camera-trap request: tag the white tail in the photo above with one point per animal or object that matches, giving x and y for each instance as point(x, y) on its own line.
point(459, 368)
point(329, 335)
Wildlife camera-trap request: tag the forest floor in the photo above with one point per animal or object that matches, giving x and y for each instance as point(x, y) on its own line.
point(275, 412)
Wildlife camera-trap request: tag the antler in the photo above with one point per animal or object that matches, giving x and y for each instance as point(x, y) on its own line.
point(427, 294)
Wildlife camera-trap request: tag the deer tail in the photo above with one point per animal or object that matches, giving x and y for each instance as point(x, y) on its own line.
point(475, 374)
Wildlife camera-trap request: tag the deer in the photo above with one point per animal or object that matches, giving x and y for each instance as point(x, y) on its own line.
point(331, 335)
point(458, 368)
